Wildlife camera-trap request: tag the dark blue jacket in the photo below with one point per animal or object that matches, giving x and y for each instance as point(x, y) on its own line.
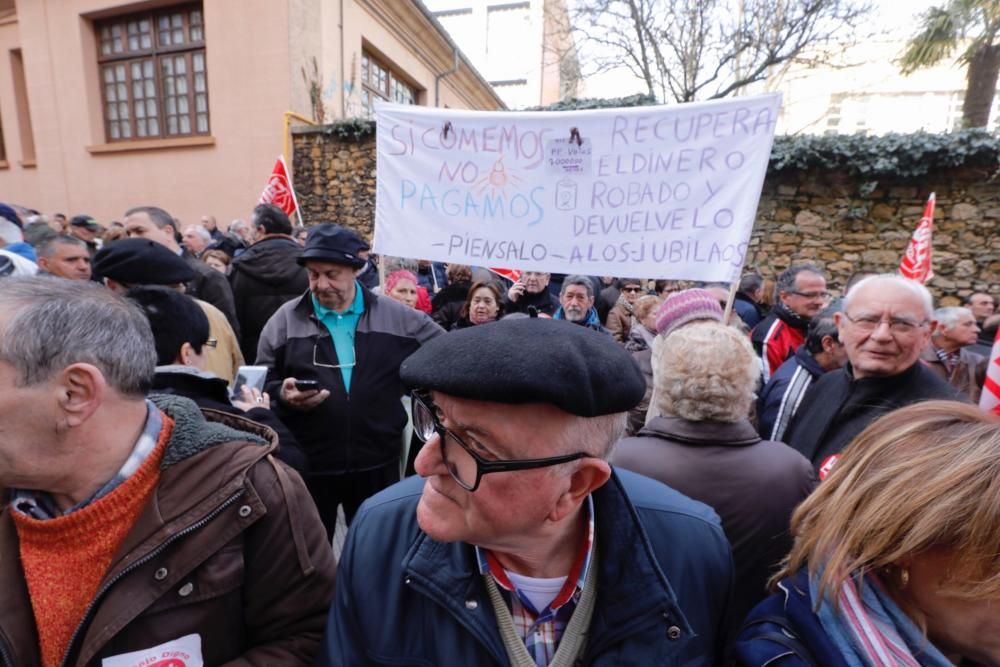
point(782, 394)
point(664, 582)
point(783, 631)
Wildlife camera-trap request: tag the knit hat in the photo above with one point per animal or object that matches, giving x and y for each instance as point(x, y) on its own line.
point(686, 306)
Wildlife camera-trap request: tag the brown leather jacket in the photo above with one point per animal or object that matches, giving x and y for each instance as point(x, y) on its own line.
point(967, 376)
point(229, 547)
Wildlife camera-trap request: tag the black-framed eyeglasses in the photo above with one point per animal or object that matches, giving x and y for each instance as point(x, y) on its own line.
point(211, 342)
point(825, 296)
point(464, 465)
point(633, 290)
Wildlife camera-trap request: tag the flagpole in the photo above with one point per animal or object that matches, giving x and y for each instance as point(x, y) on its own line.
point(291, 186)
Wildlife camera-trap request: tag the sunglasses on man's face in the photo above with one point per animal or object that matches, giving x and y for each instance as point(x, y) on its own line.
point(633, 290)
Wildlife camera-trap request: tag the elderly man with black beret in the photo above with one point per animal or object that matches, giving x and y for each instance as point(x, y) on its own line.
point(519, 545)
point(333, 359)
point(137, 262)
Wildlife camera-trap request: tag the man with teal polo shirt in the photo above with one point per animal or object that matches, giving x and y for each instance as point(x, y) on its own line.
point(350, 343)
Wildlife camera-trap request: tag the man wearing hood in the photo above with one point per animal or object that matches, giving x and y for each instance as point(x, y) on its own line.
point(266, 274)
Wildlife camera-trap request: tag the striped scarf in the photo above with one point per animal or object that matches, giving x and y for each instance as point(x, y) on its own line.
point(870, 630)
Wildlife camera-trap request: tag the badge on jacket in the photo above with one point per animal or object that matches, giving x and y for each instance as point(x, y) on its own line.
point(182, 652)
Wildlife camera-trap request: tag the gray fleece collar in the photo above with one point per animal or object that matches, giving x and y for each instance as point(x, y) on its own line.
point(192, 433)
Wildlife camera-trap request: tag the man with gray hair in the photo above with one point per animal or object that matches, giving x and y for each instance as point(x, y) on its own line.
point(948, 356)
point(799, 296)
point(64, 256)
point(138, 528)
point(576, 303)
point(781, 396)
point(885, 324)
point(195, 239)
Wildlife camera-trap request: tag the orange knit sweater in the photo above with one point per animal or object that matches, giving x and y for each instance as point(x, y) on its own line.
point(65, 558)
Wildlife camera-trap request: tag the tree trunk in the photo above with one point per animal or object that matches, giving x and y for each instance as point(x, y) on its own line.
point(982, 86)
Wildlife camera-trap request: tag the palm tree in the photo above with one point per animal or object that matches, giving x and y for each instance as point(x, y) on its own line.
point(943, 30)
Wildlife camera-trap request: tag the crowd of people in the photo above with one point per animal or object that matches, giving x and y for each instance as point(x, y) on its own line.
point(536, 469)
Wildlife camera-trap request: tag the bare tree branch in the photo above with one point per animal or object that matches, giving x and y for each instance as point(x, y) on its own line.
point(703, 49)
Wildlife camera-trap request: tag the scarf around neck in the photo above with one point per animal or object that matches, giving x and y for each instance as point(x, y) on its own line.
point(869, 629)
point(788, 315)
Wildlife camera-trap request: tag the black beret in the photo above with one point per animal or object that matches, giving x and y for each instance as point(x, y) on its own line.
point(333, 243)
point(141, 262)
point(531, 360)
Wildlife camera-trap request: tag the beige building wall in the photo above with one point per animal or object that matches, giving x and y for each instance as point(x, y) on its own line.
point(861, 89)
point(255, 52)
point(523, 47)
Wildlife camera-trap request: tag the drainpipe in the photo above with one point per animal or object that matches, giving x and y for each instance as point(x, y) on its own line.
point(437, 79)
point(343, 88)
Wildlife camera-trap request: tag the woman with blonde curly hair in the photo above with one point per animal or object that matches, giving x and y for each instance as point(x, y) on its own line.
point(897, 554)
point(703, 445)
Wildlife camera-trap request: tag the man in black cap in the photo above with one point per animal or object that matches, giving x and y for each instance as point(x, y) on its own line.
point(150, 222)
point(521, 545)
point(136, 262)
point(86, 229)
point(348, 343)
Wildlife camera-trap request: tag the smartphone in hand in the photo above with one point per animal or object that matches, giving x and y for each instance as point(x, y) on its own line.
point(248, 376)
point(307, 385)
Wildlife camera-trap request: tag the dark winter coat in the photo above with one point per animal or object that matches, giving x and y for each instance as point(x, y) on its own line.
point(212, 287)
point(753, 484)
point(211, 392)
point(837, 407)
point(783, 631)
point(543, 302)
point(749, 310)
point(227, 523)
point(264, 277)
point(783, 393)
point(345, 433)
point(664, 582)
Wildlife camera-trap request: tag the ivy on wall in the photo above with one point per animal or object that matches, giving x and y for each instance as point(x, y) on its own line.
point(903, 156)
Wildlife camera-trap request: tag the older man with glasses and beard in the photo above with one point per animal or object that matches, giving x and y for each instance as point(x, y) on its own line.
point(885, 324)
point(519, 544)
point(333, 357)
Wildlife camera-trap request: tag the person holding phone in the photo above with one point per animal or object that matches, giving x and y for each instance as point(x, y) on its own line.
point(350, 342)
point(531, 291)
point(181, 333)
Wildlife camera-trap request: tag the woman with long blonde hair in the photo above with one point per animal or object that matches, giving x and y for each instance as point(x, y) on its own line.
point(896, 559)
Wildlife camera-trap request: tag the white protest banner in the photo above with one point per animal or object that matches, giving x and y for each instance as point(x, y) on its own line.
point(656, 192)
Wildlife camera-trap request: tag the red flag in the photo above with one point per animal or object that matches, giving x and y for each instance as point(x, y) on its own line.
point(990, 398)
point(512, 275)
point(916, 264)
point(278, 190)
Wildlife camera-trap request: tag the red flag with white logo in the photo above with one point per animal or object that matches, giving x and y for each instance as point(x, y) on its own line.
point(278, 190)
point(916, 264)
point(990, 398)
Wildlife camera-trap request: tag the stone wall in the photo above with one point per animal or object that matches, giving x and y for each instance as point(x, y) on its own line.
point(842, 224)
